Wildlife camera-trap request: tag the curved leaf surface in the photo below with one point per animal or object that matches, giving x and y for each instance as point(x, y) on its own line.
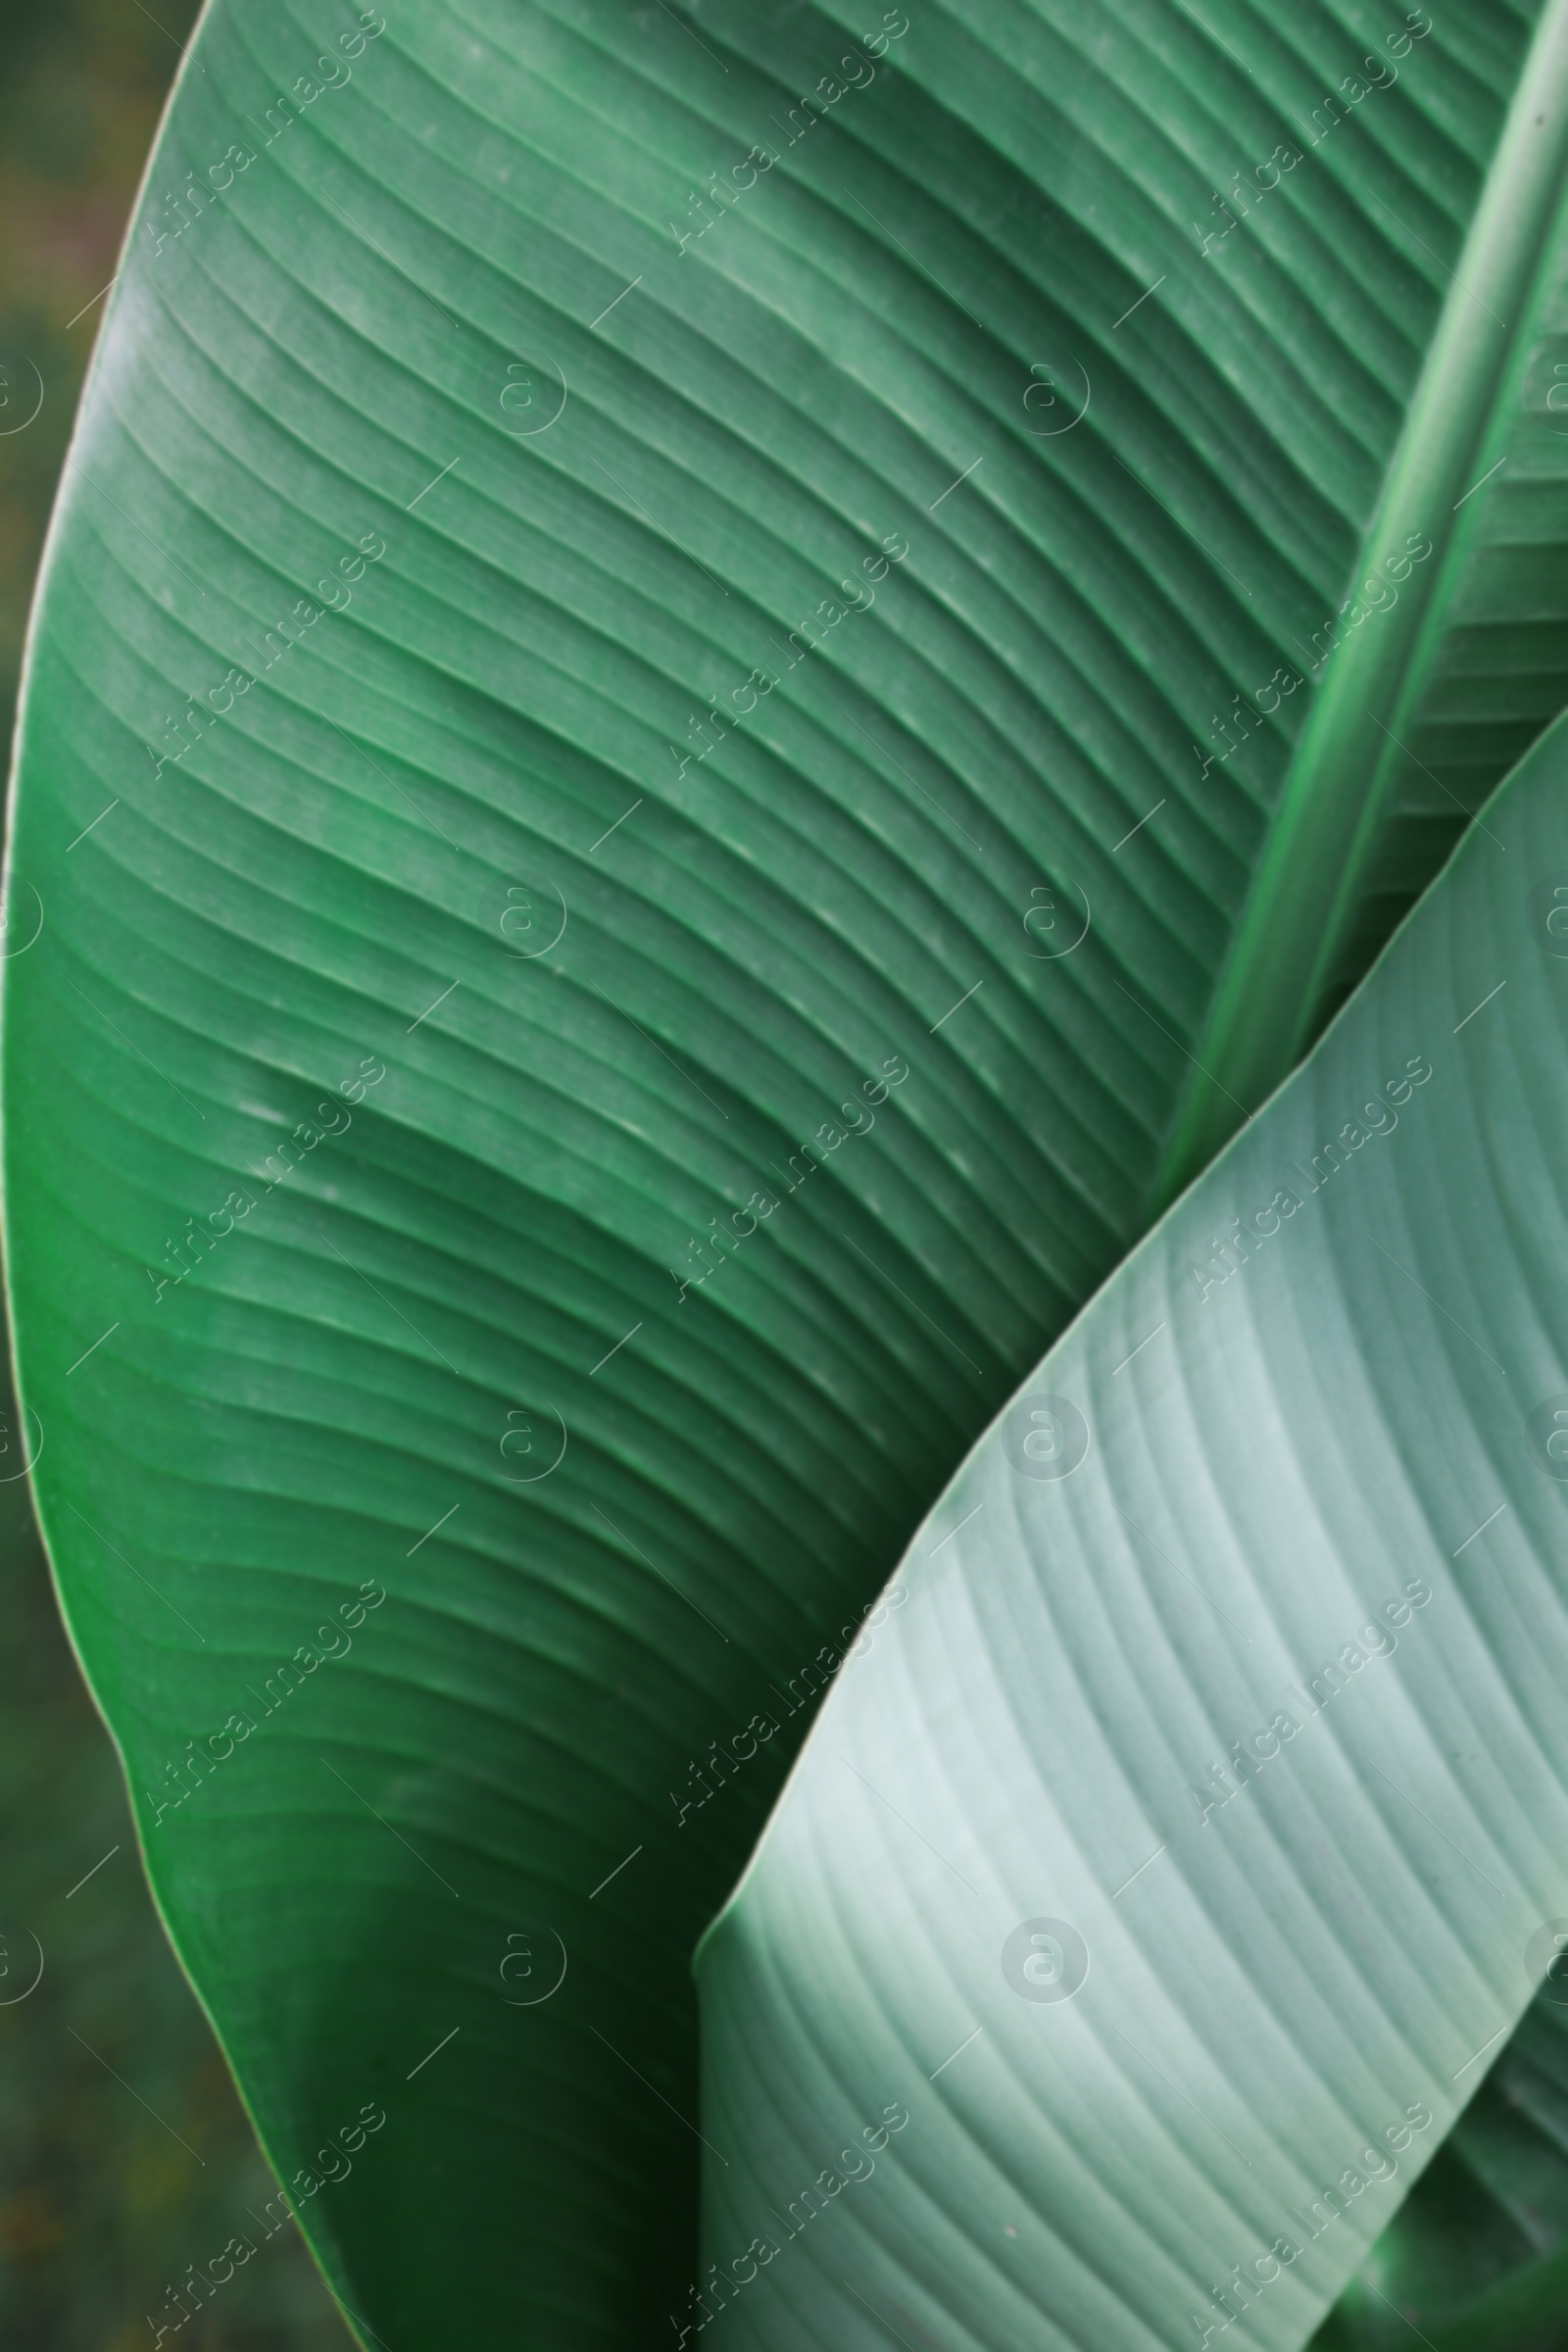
point(1197, 1823)
point(627, 581)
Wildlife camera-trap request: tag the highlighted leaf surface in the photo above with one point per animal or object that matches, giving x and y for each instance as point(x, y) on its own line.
point(1197, 1824)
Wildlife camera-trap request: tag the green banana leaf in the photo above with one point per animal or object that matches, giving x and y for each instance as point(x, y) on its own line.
point(662, 703)
point(1194, 1820)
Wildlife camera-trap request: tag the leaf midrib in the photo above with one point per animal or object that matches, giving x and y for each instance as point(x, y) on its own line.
point(1308, 886)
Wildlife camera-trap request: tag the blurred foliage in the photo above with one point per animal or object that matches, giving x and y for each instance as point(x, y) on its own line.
point(82, 86)
point(1479, 2255)
point(125, 2155)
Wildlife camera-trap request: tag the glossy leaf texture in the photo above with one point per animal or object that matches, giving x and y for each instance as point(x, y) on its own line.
point(1194, 1826)
point(608, 909)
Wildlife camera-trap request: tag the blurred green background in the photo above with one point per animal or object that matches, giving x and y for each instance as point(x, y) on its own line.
point(125, 2156)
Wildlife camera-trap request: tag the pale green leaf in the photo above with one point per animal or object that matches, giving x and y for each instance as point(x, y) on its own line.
point(1295, 1486)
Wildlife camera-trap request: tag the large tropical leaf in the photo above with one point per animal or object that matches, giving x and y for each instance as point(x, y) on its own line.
point(413, 972)
point(1195, 1821)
